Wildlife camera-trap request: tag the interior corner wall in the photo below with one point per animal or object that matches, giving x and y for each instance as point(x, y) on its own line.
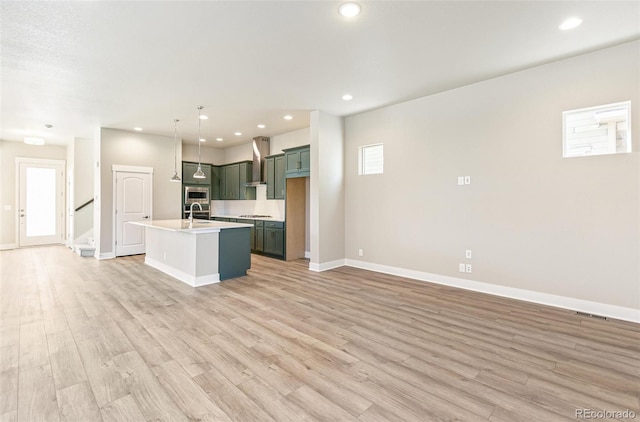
point(8, 152)
point(535, 221)
point(292, 139)
point(136, 149)
point(83, 185)
point(327, 191)
point(208, 155)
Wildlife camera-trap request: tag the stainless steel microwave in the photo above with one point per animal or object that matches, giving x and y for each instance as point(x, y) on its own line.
point(197, 194)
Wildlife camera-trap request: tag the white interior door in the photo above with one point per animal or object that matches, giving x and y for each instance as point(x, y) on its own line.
point(41, 201)
point(133, 203)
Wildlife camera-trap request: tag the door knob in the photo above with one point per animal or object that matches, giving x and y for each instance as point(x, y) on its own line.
point(146, 216)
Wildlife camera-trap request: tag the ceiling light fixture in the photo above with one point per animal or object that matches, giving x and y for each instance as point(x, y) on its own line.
point(203, 140)
point(570, 23)
point(203, 117)
point(32, 140)
point(288, 117)
point(347, 97)
point(175, 177)
point(261, 126)
point(137, 129)
point(219, 139)
point(238, 133)
point(199, 174)
point(349, 10)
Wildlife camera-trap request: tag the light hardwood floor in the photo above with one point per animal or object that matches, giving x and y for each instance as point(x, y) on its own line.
point(87, 340)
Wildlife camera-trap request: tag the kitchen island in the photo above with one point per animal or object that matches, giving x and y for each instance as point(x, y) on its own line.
point(200, 252)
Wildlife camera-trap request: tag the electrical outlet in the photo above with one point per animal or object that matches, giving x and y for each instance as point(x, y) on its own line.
point(462, 268)
point(467, 254)
point(360, 252)
point(460, 180)
point(467, 180)
point(468, 268)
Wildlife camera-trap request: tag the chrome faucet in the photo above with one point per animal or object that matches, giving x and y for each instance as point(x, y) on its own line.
point(191, 211)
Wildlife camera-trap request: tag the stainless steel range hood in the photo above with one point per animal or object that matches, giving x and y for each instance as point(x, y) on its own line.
point(260, 150)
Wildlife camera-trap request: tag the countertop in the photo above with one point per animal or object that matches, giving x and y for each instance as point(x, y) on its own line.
point(247, 218)
point(197, 226)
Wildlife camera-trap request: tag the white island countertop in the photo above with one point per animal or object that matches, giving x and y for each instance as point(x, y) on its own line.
point(197, 226)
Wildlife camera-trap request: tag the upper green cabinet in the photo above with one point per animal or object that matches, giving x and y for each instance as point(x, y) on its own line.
point(297, 162)
point(275, 168)
point(188, 169)
point(234, 180)
point(216, 175)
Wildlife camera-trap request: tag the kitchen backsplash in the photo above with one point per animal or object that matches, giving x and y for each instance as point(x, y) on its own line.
point(261, 206)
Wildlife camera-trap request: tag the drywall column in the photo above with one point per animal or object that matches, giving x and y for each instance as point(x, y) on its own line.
point(327, 191)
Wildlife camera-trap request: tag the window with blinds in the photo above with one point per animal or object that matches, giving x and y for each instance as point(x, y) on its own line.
point(371, 159)
point(597, 130)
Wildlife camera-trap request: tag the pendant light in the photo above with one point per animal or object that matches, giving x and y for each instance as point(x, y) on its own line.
point(199, 174)
point(175, 177)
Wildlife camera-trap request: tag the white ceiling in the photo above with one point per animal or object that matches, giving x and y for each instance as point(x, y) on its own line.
point(120, 64)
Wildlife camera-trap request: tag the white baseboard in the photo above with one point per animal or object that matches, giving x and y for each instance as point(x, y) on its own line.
point(595, 308)
point(189, 279)
point(106, 255)
point(326, 265)
point(307, 254)
point(7, 246)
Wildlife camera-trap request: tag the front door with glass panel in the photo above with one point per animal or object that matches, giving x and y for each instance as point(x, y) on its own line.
point(41, 201)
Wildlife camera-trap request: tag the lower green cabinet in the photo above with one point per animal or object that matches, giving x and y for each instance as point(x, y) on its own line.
point(274, 238)
point(267, 237)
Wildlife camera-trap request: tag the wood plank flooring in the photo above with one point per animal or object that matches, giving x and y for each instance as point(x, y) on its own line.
point(87, 340)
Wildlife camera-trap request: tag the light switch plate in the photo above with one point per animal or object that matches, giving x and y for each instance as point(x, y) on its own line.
point(467, 180)
point(460, 180)
point(467, 254)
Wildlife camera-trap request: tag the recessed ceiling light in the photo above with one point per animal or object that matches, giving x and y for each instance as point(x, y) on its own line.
point(347, 97)
point(203, 117)
point(261, 126)
point(219, 139)
point(349, 10)
point(32, 140)
point(570, 23)
point(203, 140)
point(137, 129)
point(288, 117)
point(238, 133)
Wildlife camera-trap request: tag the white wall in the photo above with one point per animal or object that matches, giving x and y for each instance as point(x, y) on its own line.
point(289, 140)
point(208, 155)
point(561, 228)
point(8, 153)
point(241, 152)
point(136, 149)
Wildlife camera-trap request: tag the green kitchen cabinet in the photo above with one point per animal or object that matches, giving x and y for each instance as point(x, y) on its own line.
point(259, 236)
point(274, 238)
point(297, 161)
point(275, 168)
point(246, 174)
point(216, 192)
point(236, 176)
point(189, 168)
point(232, 181)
